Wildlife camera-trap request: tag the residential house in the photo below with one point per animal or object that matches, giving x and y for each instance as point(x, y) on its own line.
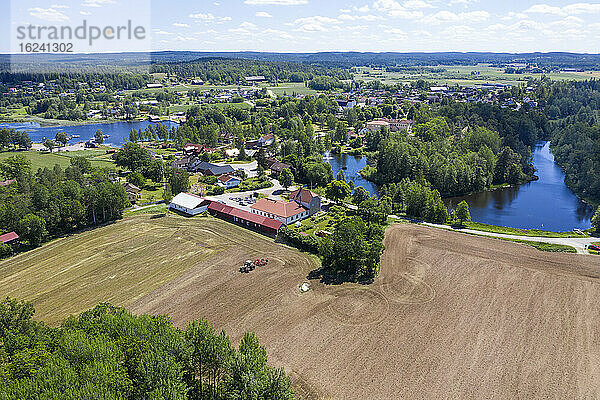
point(193, 149)
point(208, 169)
point(190, 204)
point(266, 141)
point(286, 212)
point(133, 192)
point(228, 181)
point(277, 167)
point(307, 199)
point(184, 163)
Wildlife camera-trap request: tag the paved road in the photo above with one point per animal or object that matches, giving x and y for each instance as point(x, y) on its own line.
point(580, 244)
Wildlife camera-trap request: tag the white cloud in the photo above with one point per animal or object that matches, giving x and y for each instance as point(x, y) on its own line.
point(395, 9)
point(276, 2)
point(448, 16)
point(462, 2)
point(544, 9)
point(48, 14)
point(57, 6)
point(571, 9)
point(180, 25)
point(368, 17)
point(203, 17)
point(417, 4)
point(163, 33)
point(86, 13)
point(97, 3)
point(363, 9)
point(263, 14)
point(316, 23)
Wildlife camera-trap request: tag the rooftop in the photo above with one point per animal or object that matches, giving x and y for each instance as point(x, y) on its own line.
point(279, 208)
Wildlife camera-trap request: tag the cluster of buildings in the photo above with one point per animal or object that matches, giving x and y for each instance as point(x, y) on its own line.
point(266, 215)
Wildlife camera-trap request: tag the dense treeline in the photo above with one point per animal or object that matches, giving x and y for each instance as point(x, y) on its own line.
point(234, 71)
point(69, 80)
point(54, 201)
point(108, 353)
point(573, 108)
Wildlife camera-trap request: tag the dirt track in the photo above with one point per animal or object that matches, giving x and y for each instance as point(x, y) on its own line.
point(452, 316)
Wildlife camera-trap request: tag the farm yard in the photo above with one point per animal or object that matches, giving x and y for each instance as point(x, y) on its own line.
point(451, 315)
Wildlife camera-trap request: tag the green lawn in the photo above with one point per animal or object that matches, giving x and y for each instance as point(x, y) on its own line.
point(40, 159)
point(520, 232)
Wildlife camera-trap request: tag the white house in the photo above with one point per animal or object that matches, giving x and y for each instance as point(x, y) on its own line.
point(190, 204)
point(228, 181)
point(266, 141)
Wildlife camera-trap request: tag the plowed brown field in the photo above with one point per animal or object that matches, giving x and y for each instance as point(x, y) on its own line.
point(452, 316)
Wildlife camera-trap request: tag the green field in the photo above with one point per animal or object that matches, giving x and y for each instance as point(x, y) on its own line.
point(40, 159)
point(464, 75)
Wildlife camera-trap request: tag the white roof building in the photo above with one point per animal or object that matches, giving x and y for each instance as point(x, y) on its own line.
point(190, 204)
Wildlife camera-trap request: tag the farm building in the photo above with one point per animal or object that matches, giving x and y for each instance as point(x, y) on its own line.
point(189, 204)
point(284, 211)
point(245, 218)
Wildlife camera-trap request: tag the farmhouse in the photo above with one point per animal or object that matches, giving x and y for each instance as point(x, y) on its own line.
point(286, 212)
point(245, 218)
point(307, 199)
point(133, 192)
point(189, 204)
point(277, 167)
point(228, 181)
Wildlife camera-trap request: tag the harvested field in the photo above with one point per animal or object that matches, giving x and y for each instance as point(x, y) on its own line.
point(452, 315)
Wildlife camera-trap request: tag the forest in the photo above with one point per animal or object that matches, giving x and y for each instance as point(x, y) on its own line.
point(573, 111)
point(234, 71)
point(54, 201)
point(107, 353)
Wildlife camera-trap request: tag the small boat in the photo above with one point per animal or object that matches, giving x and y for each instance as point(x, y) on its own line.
point(75, 136)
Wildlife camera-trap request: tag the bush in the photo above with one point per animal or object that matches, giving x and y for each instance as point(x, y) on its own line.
point(297, 239)
point(5, 250)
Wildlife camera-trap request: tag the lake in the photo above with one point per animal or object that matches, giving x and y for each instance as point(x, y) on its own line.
point(546, 204)
point(118, 131)
point(350, 165)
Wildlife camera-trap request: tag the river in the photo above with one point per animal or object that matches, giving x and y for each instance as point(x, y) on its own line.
point(118, 131)
point(546, 204)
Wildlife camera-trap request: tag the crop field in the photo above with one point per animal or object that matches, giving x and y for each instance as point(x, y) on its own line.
point(451, 316)
point(465, 75)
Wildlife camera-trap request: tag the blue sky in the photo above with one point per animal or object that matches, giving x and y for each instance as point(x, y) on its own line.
point(326, 25)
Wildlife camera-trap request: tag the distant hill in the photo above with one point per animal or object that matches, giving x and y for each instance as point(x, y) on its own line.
point(326, 59)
